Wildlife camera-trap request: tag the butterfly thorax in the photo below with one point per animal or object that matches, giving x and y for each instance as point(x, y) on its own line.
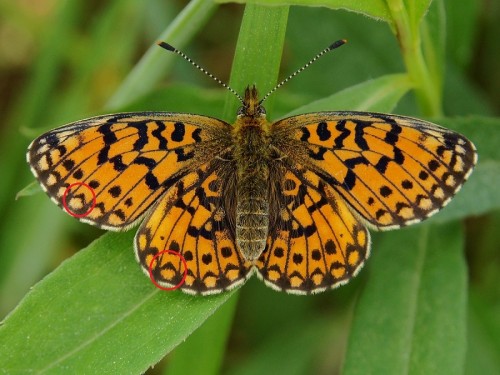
point(251, 153)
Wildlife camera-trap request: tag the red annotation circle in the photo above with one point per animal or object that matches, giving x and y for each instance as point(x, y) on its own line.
point(66, 205)
point(183, 276)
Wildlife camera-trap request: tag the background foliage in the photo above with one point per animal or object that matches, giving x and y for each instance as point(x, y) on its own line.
point(428, 298)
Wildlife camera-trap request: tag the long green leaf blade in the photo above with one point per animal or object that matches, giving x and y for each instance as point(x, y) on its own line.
point(98, 313)
point(410, 318)
point(381, 94)
point(372, 8)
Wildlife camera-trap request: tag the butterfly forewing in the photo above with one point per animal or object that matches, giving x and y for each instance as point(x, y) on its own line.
point(392, 170)
point(126, 160)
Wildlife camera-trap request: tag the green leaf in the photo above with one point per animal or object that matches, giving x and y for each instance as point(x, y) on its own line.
point(99, 313)
point(433, 31)
point(462, 25)
point(209, 358)
point(380, 94)
point(58, 48)
point(416, 9)
point(411, 315)
point(291, 352)
point(484, 332)
point(154, 64)
point(32, 188)
point(372, 8)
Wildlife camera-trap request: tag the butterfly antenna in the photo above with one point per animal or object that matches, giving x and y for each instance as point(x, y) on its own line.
point(168, 47)
point(334, 45)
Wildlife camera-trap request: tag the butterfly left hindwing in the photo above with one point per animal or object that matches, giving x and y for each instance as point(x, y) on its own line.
point(195, 219)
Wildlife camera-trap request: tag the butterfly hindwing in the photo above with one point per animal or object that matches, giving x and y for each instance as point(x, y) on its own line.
point(194, 219)
point(126, 160)
point(315, 242)
point(392, 170)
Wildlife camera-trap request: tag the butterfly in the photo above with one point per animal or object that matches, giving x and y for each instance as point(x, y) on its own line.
point(291, 200)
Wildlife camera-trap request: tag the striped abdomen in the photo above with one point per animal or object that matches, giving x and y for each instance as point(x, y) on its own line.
point(252, 206)
point(252, 216)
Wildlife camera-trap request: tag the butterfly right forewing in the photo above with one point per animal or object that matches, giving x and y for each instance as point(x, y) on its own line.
point(392, 170)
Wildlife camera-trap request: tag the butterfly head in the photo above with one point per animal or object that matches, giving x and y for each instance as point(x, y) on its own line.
point(251, 105)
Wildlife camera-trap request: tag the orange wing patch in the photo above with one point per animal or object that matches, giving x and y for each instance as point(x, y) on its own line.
point(127, 160)
point(315, 242)
point(392, 170)
point(193, 220)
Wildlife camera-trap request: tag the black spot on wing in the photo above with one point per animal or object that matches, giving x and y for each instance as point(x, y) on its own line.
point(103, 157)
point(382, 164)
point(433, 165)
point(62, 149)
point(183, 156)
point(148, 162)
point(398, 156)
point(78, 174)
point(392, 136)
point(68, 164)
point(118, 164)
point(115, 191)
point(151, 181)
point(359, 134)
point(349, 180)
point(322, 131)
point(157, 133)
point(142, 132)
point(109, 136)
point(351, 163)
point(305, 134)
point(318, 155)
point(179, 132)
point(344, 133)
point(196, 135)
point(52, 139)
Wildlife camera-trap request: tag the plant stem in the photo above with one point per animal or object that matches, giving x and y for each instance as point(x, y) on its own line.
point(407, 30)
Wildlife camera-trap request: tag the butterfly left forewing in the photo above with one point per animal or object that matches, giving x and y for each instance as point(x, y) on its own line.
point(392, 170)
point(126, 160)
point(315, 242)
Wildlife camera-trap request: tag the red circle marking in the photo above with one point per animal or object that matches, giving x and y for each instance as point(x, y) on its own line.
point(183, 276)
point(66, 205)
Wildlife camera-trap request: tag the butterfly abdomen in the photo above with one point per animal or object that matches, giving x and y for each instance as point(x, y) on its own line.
point(252, 207)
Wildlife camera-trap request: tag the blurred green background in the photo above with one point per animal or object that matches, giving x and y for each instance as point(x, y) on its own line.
point(61, 61)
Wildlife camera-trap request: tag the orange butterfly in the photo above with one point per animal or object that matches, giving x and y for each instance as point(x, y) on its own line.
point(290, 199)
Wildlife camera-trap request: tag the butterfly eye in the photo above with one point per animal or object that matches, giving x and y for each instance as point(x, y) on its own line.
point(242, 110)
point(261, 110)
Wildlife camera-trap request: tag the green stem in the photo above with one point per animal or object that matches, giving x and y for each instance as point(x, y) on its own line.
point(427, 90)
point(257, 60)
point(155, 62)
point(258, 53)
